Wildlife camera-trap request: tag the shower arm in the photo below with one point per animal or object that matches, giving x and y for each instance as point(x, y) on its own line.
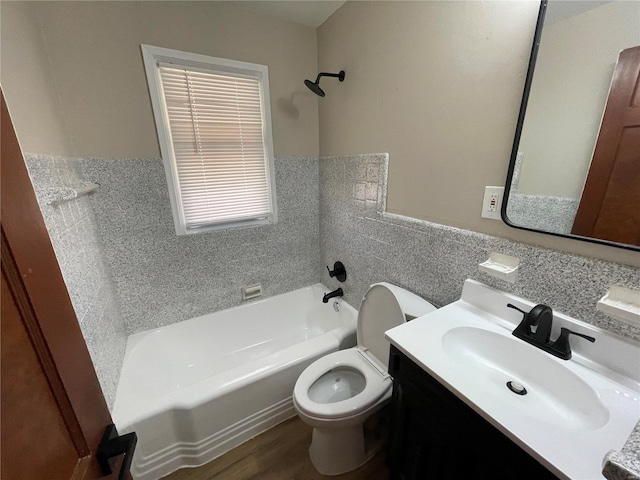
point(340, 76)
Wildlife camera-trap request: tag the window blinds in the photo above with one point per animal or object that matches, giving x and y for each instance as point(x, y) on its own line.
point(216, 127)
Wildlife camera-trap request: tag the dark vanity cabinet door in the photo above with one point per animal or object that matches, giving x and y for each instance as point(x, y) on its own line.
point(434, 435)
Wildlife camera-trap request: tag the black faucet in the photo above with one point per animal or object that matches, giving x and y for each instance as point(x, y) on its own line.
point(336, 293)
point(540, 317)
point(535, 328)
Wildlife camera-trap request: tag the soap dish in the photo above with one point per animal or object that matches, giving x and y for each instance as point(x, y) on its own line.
point(58, 195)
point(621, 303)
point(501, 266)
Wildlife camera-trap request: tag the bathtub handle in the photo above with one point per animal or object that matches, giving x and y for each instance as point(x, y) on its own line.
point(338, 271)
point(113, 445)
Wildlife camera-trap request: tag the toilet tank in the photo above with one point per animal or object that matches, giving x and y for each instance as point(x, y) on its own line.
point(411, 304)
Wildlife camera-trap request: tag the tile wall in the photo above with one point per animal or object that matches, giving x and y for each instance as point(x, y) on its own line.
point(551, 214)
point(73, 231)
point(162, 278)
point(434, 260)
point(127, 271)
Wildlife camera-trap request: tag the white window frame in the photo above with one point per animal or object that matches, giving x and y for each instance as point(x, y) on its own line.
point(153, 56)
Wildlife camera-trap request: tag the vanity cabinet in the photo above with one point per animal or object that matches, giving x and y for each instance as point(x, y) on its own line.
point(434, 435)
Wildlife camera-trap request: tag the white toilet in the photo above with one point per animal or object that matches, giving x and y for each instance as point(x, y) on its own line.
point(339, 394)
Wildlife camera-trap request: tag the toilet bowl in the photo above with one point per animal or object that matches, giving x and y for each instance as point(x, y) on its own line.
point(341, 395)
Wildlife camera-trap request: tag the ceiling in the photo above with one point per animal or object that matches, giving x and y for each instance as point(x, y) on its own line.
point(311, 13)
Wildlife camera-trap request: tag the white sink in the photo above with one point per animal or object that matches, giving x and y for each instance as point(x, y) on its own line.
point(554, 394)
point(574, 410)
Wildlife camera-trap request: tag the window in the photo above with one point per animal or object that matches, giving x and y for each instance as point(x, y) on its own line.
point(214, 126)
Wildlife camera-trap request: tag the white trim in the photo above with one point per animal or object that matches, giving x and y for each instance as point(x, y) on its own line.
point(152, 57)
point(196, 453)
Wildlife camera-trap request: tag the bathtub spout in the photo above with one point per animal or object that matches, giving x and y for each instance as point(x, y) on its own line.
point(336, 293)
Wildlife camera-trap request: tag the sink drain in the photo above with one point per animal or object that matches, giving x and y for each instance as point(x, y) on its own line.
point(516, 387)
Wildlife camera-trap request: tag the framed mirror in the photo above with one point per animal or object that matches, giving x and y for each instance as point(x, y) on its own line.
point(575, 162)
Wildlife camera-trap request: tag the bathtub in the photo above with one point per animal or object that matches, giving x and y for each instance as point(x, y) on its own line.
point(196, 389)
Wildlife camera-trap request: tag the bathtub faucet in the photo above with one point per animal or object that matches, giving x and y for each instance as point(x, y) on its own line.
point(336, 293)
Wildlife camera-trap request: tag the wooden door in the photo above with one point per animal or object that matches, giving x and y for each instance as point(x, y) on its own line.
point(53, 410)
point(610, 204)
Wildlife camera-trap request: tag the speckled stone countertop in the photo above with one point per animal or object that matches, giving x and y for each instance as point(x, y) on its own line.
point(625, 464)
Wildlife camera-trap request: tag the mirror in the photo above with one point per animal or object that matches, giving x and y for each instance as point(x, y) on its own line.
point(575, 162)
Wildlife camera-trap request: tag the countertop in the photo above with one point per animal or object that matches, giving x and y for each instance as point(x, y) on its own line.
point(624, 464)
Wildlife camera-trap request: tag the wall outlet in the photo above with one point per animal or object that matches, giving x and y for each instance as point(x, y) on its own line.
point(492, 202)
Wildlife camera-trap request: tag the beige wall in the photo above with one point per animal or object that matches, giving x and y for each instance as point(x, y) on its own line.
point(27, 81)
point(96, 64)
point(437, 85)
point(573, 73)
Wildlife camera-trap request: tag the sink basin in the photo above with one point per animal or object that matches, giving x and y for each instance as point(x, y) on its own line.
point(554, 394)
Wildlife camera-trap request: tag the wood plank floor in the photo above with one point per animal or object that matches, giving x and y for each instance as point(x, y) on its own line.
point(277, 454)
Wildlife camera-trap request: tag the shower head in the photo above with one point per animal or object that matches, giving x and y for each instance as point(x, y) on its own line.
point(315, 86)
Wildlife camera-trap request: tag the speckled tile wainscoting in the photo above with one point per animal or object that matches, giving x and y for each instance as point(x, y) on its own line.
point(550, 214)
point(625, 464)
point(162, 278)
point(434, 260)
point(73, 231)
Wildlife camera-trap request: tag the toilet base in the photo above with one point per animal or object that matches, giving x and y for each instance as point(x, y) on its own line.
point(334, 451)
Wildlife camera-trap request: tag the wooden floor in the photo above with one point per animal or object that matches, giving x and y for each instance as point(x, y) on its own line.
point(278, 454)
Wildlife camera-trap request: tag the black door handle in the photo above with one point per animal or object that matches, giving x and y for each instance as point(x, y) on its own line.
point(113, 445)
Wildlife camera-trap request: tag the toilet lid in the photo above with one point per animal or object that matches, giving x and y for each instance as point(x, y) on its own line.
point(379, 312)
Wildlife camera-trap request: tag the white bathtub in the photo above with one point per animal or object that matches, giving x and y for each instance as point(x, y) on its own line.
point(198, 388)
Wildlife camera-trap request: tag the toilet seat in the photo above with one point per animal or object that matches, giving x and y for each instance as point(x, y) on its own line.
point(377, 385)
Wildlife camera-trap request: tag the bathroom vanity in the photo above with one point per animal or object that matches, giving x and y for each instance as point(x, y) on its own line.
point(436, 435)
point(455, 413)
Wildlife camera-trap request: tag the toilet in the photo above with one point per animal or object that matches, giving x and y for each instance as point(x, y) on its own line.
point(341, 395)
